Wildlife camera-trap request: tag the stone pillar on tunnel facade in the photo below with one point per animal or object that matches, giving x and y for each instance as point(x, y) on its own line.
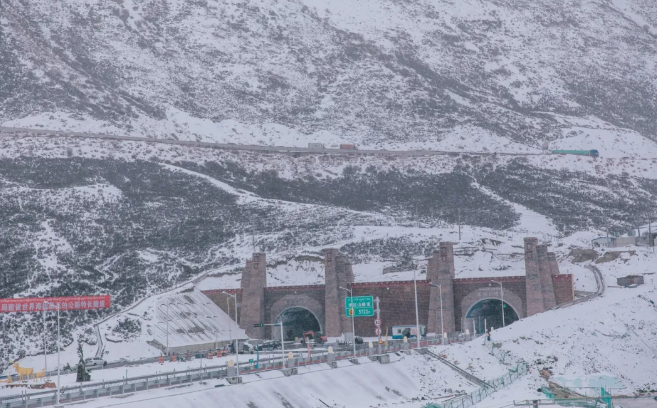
point(549, 300)
point(254, 282)
point(440, 270)
point(533, 280)
point(346, 278)
point(553, 264)
point(337, 273)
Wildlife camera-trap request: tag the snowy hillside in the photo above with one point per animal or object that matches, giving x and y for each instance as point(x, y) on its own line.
point(430, 74)
point(136, 219)
point(133, 219)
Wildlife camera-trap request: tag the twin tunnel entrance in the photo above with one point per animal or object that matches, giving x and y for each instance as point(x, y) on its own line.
point(296, 321)
point(486, 313)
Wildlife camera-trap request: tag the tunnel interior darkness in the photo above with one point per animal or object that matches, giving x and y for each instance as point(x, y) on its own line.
point(490, 310)
point(296, 321)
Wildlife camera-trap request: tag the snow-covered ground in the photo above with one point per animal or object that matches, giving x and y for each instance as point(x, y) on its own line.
point(286, 166)
point(407, 378)
point(193, 319)
point(481, 252)
point(612, 338)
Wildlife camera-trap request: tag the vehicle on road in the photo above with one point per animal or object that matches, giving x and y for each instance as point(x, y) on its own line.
point(270, 345)
point(347, 146)
point(592, 153)
point(410, 331)
point(95, 361)
point(316, 146)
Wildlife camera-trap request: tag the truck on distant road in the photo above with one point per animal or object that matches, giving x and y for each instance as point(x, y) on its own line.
point(316, 146)
point(593, 153)
point(347, 146)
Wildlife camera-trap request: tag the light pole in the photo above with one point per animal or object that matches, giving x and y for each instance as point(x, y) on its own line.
point(442, 333)
point(187, 319)
point(58, 347)
point(237, 352)
point(45, 356)
point(215, 330)
point(230, 326)
point(417, 319)
point(168, 318)
point(502, 297)
point(352, 313)
point(282, 339)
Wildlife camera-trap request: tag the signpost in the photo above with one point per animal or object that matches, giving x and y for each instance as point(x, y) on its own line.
point(359, 306)
point(35, 305)
point(377, 321)
point(31, 305)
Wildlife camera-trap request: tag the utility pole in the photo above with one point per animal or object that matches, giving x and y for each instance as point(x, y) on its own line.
point(442, 328)
point(45, 356)
point(651, 240)
point(352, 312)
point(237, 352)
point(459, 220)
point(502, 297)
point(417, 318)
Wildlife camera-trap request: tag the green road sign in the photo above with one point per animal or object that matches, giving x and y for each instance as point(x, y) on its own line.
point(363, 306)
point(250, 360)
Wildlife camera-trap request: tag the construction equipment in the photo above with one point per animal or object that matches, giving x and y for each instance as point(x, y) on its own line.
point(318, 337)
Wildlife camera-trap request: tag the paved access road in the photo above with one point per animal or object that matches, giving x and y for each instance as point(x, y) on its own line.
point(256, 148)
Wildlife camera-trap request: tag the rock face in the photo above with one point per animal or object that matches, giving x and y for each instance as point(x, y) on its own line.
point(392, 72)
point(583, 255)
point(609, 256)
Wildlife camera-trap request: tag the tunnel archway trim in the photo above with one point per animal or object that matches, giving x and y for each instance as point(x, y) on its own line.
point(302, 301)
point(476, 296)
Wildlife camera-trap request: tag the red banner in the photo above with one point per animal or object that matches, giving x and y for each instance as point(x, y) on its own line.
point(27, 305)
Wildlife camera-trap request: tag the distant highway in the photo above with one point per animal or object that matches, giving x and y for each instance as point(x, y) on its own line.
point(255, 148)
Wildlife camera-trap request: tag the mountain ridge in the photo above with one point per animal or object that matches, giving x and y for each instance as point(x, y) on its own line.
point(379, 72)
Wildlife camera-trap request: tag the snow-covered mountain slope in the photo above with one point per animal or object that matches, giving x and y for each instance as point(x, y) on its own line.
point(134, 219)
point(379, 73)
point(611, 336)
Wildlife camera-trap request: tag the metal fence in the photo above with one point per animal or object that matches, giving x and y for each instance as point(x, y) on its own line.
point(85, 391)
point(81, 392)
point(468, 400)
point(603, 401)
point(502, 356)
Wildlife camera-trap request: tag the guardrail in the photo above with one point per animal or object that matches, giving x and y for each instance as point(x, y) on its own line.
point(470, 399)
point(600, 283)
point(85, 391)
point(465, 374)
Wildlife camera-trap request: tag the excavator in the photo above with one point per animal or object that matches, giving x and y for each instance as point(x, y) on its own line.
point(319, 339)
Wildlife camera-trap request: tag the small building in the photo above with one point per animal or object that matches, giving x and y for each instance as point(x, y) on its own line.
point(603, 242)
point(613, 242)
point(630, 280)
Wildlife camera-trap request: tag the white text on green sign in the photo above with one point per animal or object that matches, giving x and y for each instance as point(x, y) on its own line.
point(363, 306)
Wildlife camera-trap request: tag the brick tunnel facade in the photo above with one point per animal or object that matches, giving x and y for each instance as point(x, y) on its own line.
point(526, 295)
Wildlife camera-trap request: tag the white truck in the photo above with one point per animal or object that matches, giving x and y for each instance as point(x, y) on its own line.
point(316, 146)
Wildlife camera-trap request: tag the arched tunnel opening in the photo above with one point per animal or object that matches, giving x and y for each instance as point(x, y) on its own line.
point(296, 321)
point(487, 313)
